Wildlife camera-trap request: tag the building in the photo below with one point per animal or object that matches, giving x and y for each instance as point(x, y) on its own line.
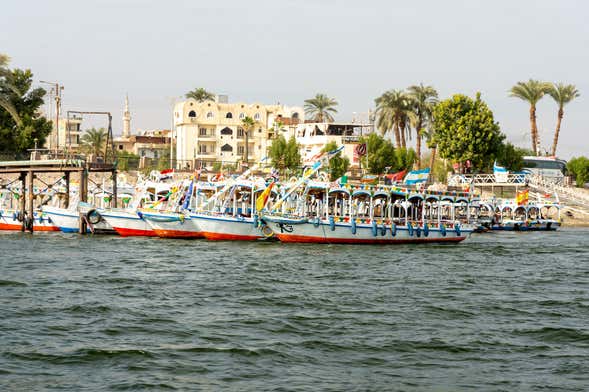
point(67, 135)
point(312, 138)
point(153, 144)
point(210, 131)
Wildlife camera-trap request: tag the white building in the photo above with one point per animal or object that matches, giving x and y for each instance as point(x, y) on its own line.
point(211, 131)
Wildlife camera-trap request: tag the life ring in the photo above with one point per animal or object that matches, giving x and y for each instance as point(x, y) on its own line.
point(410, 229)
point(425, 229)
point(93, 217)
point(332, 223)
point(393, 229)
point(353, 226)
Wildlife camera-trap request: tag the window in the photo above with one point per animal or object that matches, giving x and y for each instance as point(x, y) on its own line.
point(210, 115)
point(202, 148)
point(240, 150)
point(241, 116)
point(295, 116)
point(257, 116)
point(240, 132)
point(229, 115)
point(202, 132)
point(192, 113)
point(226, 131)
point(120, 146)
point(260, 130)
point(226, 148)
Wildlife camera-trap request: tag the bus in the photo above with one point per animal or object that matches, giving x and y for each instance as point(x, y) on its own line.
point(546, 167)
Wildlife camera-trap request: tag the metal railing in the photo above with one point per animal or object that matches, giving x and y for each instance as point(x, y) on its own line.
point(487, 179)
point(550, 185)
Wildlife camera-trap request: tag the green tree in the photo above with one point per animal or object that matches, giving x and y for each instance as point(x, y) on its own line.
point(200, 95)
point(381, 153)
point(394, 111)
point(406, 158)
point(424, 98)
point(465, 130)
point(248, 124)
point(127, 161)
point(579, 168)
point(285, 154)
point(21, 125)
point(321, 108)
point(512, 157)
point(338, 164)
point(94, 140)
point(562, 94)
point(531, 91)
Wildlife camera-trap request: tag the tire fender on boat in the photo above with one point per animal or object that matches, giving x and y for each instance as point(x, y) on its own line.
point(353, 226)
point(93, 216)
point(255, 221)
point(316, 222)
point(393, 229)
point(425, 229)
point(457, 228)
point(443, 229)
point(374, 228)
point(418, 231)
point(410, 229)
point(383, 229)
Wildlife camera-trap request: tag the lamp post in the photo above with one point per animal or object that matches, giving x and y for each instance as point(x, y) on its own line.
point(57, 88)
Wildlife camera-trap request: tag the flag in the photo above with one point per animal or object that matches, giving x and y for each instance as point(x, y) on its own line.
point(263, 198)
point(500, 173)
point(360, 149)
point(417, 176)
point(522, 197)
point(397, 177)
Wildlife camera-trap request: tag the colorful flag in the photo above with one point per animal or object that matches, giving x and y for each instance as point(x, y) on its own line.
point(397, 177)
point(522, 197)
point(501, 173)
point(360, 149)
point(417, 176)
point(263, 198)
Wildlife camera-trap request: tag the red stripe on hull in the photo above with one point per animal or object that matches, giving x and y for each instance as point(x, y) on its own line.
point(17, 227)
point(178, 234)
point(323, 240)
point(229, 237)
point(125, 232)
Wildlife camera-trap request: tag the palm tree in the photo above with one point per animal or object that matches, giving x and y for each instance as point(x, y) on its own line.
point(531, 91)
point(393, 111)
point(562, 94)
point(94, 140)
point(424, 100)
point(321, 108)
point(200, 95)
point(248, 124)
point(7, 88)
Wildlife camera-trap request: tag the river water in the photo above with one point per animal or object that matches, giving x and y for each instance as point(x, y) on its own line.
point(501, 312)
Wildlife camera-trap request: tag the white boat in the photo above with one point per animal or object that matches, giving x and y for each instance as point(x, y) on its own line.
point(171, 224)
point(68, 219)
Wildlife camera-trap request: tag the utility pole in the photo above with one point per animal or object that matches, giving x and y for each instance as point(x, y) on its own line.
point(58, 90)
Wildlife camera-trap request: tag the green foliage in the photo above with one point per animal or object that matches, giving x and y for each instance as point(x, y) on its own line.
point(200, 95)
point(381, 154)
point(321, 108)
point(20, 122)
point(127, 161)
point(394, 111)
point(406, 157)
point(531, 91)
point(285, 154)
point(464, 129)
point(338, 165)
point(512, 157)
point(94, 140)
point(579, 168)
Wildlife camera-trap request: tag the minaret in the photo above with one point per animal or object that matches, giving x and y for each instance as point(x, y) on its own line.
point(126, 119)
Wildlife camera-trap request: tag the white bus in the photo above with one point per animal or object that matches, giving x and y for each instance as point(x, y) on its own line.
point(546, 167)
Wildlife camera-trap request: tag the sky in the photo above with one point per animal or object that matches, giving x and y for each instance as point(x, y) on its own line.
point(286, 51)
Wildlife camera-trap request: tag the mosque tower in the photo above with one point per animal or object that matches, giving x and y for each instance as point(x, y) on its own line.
point(126, 119)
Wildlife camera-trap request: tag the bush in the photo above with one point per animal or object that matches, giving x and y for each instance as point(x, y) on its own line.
point(579, 168)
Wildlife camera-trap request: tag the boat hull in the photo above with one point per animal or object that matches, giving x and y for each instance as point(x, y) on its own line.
point(539, 225)
point(68, 221)
point(229, 228)
point(325, 233)
point(128, 224)
point(170, 225)
point(41, 222)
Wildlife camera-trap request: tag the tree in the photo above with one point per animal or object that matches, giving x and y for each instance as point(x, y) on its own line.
point(321, 108)
point(531, 91)
point(381, 153)
point(338, 165)
point(562, 94)
point(579, 167)
point(200, 95)
point(94, 141)
point(394, 111)
point(285, 154)
point(424, 98)
point(512, 157)
point(464, 129)
point(406, 158)
point(21, 126)
point(248, 124)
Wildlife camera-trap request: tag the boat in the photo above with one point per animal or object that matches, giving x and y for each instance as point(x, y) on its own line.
point(371, 214)
point(12, 220)
point(531, 216)
point(68, 219)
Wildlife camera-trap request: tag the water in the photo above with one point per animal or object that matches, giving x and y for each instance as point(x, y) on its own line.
point(502, 311)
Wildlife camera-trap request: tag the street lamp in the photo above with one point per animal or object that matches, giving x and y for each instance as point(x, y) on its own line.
point(57, 89)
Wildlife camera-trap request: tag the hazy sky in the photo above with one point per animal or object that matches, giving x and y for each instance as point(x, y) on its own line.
point(286, 51)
